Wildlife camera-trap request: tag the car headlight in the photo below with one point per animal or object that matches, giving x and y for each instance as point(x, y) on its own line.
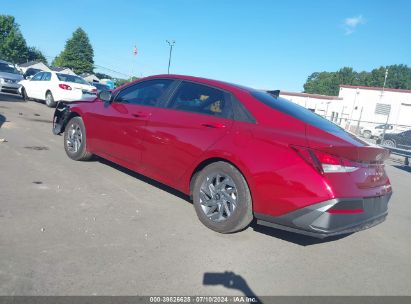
point(1, 80)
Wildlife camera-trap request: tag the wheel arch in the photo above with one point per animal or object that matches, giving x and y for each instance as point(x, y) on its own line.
point(209, 161)
point(67, 118)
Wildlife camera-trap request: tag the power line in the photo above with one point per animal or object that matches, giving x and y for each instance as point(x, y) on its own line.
point(101, 67)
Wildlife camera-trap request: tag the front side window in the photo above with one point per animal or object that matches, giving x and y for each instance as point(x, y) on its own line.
point(46, 76)
point(192, 97)
point(146, 93)
point(38, 76)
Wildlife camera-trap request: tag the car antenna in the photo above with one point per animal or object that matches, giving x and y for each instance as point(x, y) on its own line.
point(275, 93)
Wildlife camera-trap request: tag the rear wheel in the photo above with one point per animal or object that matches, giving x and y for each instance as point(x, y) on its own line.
point(50, 100)
point(75, 140)
point(222, 199)
point(388, 143)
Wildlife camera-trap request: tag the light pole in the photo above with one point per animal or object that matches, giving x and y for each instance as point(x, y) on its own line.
point(388, 114)
point(357, 92)
point(171, 44)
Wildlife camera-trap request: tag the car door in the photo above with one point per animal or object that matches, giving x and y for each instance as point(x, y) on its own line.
point(44, 85)
point(195, 118)
point(117, 128)
point(404, 140)
point(32, 86)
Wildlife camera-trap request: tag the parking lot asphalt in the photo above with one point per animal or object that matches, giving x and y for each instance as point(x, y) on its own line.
point(94, 228)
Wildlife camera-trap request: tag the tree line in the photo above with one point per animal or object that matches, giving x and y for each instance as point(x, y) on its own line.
point(13, 46)
point(327, 83)
point(77, 54)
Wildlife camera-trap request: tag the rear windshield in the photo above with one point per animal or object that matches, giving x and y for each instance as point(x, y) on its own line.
point(296, 111)
point(71, 78)
point(6, 68)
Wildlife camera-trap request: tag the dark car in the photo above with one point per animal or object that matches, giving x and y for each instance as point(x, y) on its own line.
point(239, 153)
point(397, 140)
point(30, 72)
point(100, 86)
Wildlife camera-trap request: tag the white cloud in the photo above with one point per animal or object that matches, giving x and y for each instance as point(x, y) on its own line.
point(350, 24)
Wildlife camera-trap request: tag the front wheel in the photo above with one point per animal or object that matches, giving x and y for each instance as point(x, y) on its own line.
point(388, 143)
point(75, 140)
point(222, 199)
point(24, 94)
point(50, 100)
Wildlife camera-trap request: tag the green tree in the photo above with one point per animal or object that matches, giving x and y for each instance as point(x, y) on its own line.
point(103, 76)
point(327, 83)
point(13, 46)
point(77, 54)
point(35, 54)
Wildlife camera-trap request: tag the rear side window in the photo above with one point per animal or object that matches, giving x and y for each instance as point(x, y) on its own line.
point(296, 111)
point(192, 97)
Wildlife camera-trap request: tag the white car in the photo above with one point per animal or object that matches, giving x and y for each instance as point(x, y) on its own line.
point(53, 87)
point(376, 131)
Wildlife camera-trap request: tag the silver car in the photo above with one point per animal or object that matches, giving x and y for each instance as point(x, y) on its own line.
point(9, 77)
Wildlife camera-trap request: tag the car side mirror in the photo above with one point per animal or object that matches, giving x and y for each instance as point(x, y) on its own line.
point(104, 96)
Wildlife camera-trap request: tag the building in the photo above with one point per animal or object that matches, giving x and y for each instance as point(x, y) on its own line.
point(63, 70)
point(359, 106)
point(33, 64)
point(90, 77)
point(372, 105)
point(317, 103)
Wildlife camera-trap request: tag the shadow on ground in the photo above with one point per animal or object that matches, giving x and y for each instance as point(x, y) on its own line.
point(295, 238)
point(145, 179)
point(230, 280)
point(10, 97)
point(2, 120)
point(299, 239)
point(403, 167)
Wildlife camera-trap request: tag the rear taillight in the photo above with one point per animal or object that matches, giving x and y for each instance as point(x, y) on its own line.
point(94, 90)
point(325, 162)
point(64, 86)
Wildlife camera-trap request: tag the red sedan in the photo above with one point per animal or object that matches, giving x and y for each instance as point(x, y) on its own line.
point(239, 152)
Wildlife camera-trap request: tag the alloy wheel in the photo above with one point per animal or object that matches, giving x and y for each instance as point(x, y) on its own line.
point(218, 197)
point(74, 138)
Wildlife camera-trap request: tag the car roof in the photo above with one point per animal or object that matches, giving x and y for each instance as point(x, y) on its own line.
point(216, 83)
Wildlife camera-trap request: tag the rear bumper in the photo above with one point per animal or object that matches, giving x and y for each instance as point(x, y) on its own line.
point(317, 221)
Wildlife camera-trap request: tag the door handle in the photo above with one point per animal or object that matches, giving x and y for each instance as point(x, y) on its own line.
point(213, 125)
point(141, 115)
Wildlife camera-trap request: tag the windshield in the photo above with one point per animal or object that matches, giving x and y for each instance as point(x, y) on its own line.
point(7, 68)
point(296, 111)
point(71, 78)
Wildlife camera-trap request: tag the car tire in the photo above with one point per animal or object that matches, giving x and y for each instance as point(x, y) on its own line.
point(367, 134)
point(24, 94)
point(229, 208)
point(50, 100)
point(389, 143)
point(75, 141)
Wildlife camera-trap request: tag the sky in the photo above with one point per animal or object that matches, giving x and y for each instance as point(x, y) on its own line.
point(265, 44)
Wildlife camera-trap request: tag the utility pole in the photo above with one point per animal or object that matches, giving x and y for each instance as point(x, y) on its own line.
point(388, 114)
point(171, 44)
point(357, 131)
